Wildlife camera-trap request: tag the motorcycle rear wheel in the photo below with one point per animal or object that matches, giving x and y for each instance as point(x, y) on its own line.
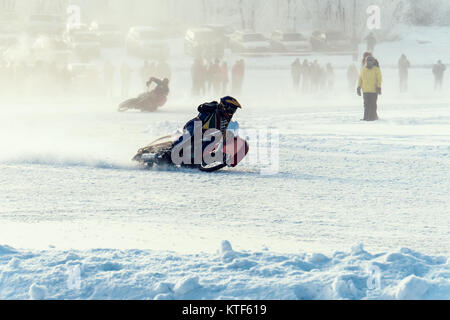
point(127, 105)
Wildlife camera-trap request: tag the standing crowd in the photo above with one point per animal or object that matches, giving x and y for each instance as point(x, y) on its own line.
point(213, 77)
point(46, 79)
point(311, 77)
point(37, 79)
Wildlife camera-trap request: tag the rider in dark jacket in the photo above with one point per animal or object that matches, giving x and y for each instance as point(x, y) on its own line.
point(213, 115)
point(162, 86)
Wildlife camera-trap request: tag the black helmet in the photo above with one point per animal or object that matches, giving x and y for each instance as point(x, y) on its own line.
point(230, 104)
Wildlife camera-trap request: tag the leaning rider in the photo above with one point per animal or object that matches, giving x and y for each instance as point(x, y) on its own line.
point(213, 115)
point(162, 86)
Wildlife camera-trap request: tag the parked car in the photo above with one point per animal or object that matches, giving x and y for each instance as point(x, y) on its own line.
point(318, 41)
point(249, 42)
point(6, 41)
point(51, 50)
point(81, 27)
point(82, 70)
point(334, 41)
point(338, 41)
point(46, 24)
point(12, 49)
point(85, 78)
point(204, 42)
point(77, 29)
point(171, 29)
point(109, 35)
point(84, 44)
point(223, 32)
point(9, 22)
point(147, 42)
point(289, 42)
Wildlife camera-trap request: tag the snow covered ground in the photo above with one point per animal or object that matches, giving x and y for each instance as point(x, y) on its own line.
point(74, 207)
point(227, 274)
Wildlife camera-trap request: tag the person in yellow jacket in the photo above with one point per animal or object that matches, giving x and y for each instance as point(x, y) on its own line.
point(370, 80)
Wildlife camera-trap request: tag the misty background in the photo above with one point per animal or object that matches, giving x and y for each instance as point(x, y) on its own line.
point(66, 175)
point(261, 15)
point(49, 74)
point(174, 18)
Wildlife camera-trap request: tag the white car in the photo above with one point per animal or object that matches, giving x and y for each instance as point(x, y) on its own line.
point(85, 78)
point(7, 41)
point(82, 70)
point(10, 23)
point(51, 50)
point(222, 32)
point(333, 41)
point(147, 42)
point(290, 42)
point(109, 35)
point(249, 42)
point(11, 49)
point(46, 24)
point(85, 44)
point(204, 42)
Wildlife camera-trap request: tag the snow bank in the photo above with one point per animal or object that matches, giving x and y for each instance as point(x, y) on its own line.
point(6, 250)
point(37, 292)
point(228, 274)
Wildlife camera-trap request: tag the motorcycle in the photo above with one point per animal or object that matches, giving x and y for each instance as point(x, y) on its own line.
point(146, 102)
point(159, 152)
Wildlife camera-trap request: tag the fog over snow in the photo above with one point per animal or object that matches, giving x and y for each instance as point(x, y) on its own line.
point(350, 210)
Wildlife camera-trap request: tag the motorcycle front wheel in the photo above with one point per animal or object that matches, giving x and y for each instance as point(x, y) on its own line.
point(212, 167)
